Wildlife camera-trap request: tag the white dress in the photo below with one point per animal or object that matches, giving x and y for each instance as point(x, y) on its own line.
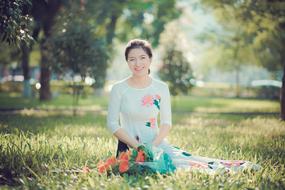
point(136, 110)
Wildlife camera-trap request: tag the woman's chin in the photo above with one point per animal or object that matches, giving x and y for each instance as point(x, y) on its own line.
point(139, 73)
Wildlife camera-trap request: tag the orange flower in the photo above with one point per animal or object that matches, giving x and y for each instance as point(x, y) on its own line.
point(124, 166)
point(111, 161)
point(140, 156)
point(124, 155)
point(124, 161)
point(101, 167)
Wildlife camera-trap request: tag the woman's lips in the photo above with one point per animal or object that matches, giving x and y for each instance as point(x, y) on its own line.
point(139, 69)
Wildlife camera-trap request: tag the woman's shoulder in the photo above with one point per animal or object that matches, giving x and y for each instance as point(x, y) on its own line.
point(159, 83)
point(119, 85)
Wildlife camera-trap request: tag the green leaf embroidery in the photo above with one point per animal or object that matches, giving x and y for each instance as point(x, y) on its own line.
point(147, 124)
point(186, 154)
point(156, 102)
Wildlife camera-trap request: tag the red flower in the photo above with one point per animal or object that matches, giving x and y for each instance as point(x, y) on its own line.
point(157, 97)
point(124, 166)
point(140, 156)
point(124, 162)
point(147, 100)
point(152, 122)
point(111, 161)
point(124, 155)
point(101, 167)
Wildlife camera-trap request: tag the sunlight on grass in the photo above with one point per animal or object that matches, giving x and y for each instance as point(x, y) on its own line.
point(47, 149)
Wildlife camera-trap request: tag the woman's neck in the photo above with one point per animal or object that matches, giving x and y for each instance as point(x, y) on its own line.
point(140, 81)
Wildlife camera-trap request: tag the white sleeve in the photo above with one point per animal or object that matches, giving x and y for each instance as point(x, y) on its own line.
point(165, 108)
point(114, 110)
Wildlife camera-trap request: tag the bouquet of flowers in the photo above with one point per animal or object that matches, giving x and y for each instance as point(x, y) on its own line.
point(145, 159)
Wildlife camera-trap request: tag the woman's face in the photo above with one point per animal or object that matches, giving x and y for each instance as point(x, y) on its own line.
point(138, 61)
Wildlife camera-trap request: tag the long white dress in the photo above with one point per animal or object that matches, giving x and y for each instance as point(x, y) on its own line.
point(137, 109)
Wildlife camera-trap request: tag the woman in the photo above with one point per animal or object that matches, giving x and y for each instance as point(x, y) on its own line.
point(134, 105)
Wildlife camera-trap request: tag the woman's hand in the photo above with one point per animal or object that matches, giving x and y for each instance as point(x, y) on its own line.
point(163, 132)
point(123, 136)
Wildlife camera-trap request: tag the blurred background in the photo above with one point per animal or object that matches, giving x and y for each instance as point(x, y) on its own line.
point(202, 48)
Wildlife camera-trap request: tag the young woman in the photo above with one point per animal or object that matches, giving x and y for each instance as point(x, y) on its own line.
point(134, 105)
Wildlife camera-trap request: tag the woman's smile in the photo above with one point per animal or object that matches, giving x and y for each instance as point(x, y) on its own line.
point(139, 69)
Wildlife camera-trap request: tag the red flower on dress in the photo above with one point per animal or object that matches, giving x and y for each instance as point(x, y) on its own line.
point(152, 122)
point(157, 97)
point(196, 164)
point(147, 100)
point(232, 163)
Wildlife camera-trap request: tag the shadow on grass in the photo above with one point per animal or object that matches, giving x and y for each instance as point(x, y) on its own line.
point(219, 119)
point(10, 123)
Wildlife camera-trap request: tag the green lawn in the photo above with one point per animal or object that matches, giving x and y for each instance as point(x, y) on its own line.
point(42, 149)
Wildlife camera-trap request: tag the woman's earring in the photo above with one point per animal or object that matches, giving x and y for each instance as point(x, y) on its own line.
point(148, 71)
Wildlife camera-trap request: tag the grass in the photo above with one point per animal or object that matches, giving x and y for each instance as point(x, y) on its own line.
point(47, 150)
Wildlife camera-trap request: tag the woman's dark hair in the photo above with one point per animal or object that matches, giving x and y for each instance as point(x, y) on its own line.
point(138, 43)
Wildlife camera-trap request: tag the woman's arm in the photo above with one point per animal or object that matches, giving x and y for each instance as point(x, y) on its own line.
point(113, 119)
point(163, 132)
point(165, 116)
point(123, 136)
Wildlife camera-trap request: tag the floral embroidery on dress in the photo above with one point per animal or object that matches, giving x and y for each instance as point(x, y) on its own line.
point(150, 100)
point(151, 123)
point(147, 100)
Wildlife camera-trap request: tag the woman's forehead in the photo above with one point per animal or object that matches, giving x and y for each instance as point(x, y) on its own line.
point(137, 52)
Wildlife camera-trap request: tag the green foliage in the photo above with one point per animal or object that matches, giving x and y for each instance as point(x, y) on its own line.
point(8, 53)
point(77, 49)
point(15, 21)
point(146, 19)
point(176, 70)
point(259, 26)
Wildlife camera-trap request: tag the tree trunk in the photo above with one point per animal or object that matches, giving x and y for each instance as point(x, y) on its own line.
point(44, 13)
point(45, 93)
point(111, 29)
point(27, 90)
point(237, 81)
point(282, 55)
point(282, 92)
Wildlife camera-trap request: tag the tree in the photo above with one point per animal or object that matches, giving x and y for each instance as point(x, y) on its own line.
point(145, 19)
point(15, 29)
point(176, 70)
point(8, 54)
point(112, 18)
point(76, 49)
point(44, 13)
point(14, 21)
point(264, 23)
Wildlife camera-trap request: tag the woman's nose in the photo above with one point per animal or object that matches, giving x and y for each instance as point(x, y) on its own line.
point(138, 62)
